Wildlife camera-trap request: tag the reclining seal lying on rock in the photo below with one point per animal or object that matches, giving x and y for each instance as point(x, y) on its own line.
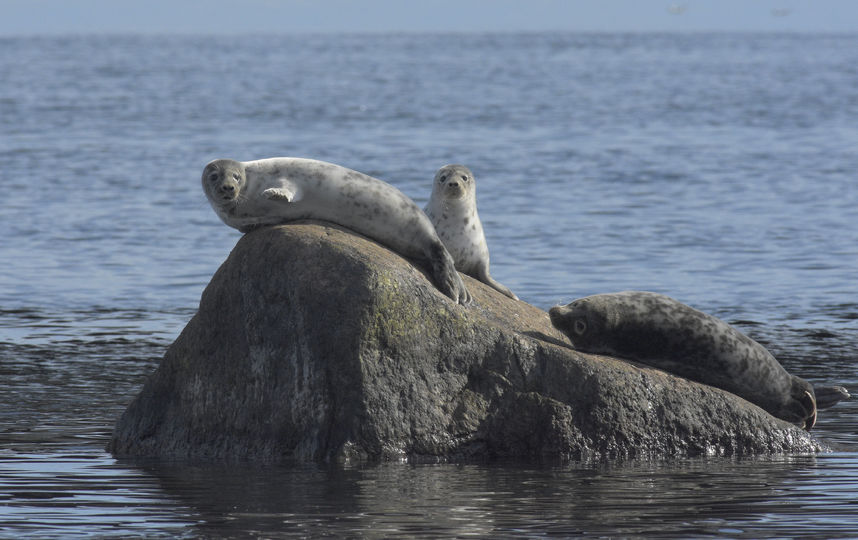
point(453, 211)
point(270, 191)
point(661, 332)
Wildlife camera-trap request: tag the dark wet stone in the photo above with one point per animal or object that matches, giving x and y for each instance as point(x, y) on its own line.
point(313, 343)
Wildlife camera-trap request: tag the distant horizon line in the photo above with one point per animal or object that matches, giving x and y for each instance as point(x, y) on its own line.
point(192, 33)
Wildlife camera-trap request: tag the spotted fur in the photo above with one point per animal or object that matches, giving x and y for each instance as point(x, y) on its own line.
point(659, 331)
point(453, 211)
point(246, 195)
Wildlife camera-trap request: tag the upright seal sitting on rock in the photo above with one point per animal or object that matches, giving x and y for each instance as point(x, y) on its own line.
point(249, 194)
point(659, 331)
point(453, 211)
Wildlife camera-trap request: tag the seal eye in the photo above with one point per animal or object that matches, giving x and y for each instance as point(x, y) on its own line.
point(236, 177)
point(213, 177)
point(443, 178)
point(580, 326)
point(464, 178)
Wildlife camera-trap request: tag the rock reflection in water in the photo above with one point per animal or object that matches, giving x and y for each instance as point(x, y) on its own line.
point(688, 497)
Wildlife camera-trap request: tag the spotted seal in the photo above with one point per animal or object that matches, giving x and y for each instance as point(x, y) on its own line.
point(248, 194)
point(659, 331)
point(453, 211)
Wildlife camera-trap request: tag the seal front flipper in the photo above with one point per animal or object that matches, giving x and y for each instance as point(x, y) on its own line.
point(281, 194)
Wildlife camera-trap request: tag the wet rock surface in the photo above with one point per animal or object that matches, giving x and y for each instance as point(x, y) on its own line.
point(313, 343)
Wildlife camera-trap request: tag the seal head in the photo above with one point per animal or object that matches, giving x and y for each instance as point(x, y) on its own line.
point(223, 181)
point(582, 325)
point(455, 182)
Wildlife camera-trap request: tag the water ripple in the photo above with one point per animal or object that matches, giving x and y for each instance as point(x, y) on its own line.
point(718, 169)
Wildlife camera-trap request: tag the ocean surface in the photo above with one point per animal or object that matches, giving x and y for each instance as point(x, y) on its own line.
point(720, 169)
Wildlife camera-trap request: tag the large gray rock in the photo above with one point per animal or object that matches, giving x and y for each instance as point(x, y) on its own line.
point(314, 343)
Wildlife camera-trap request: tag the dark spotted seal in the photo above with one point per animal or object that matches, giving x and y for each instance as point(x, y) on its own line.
point(248, 194)
point(659, 331)
point(453, 211)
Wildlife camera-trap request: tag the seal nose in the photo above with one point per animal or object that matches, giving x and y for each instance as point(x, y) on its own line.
point(227, 188)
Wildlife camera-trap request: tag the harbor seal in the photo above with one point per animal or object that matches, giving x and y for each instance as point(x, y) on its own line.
point(453, 211)
point(249, 194)
point(661, 332)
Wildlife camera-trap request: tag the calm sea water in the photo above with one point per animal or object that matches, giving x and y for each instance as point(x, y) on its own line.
point(718, 169)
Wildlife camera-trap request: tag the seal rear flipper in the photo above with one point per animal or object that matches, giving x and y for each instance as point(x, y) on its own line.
point(483, 275)
point(503, 289)
point(799, 407)
point(828, 396)
point(444, 273)
point(801, 413)
point(810, 400)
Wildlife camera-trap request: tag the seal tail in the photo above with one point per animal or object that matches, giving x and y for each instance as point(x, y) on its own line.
point(828, 396)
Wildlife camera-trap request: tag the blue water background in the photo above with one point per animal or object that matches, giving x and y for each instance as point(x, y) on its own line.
point(717, 168)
